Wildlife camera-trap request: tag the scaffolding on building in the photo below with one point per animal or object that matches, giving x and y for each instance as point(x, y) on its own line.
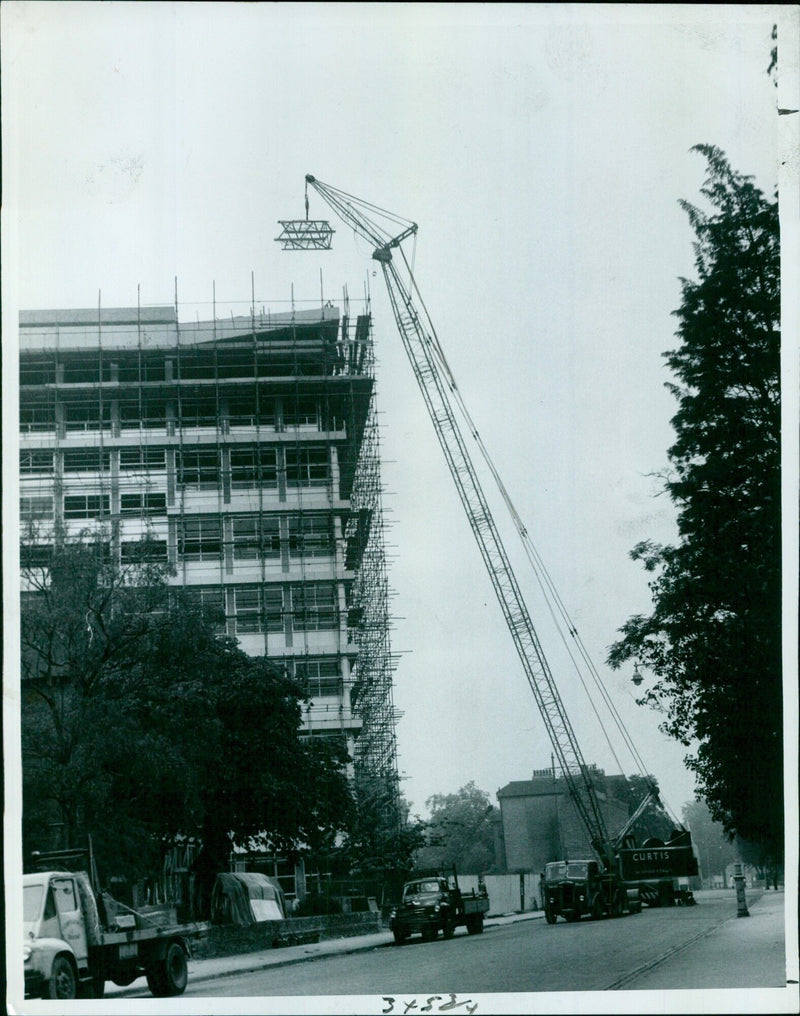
point(210, 444)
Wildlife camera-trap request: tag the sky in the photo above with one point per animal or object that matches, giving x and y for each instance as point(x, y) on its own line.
point(543, 150)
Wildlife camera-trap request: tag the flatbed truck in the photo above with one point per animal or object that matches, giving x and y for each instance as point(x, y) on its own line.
point(75, 941)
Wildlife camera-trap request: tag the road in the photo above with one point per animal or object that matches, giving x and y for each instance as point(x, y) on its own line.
point(529, 956)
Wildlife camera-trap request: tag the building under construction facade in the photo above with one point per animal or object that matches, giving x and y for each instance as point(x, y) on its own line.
point(246, 451)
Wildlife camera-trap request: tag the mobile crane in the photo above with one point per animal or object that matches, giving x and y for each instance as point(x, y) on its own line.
point(626, 873)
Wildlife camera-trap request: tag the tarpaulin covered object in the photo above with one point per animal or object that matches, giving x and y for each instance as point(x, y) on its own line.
point(246, 897)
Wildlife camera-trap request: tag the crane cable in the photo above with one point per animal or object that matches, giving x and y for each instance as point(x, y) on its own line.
point(551, 596)
point(543, 577)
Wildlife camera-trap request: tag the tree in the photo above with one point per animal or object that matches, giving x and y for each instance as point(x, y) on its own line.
point(382, 837)
point(141, 723)
point(714, 849)
point(713, 641)
point(459, 832)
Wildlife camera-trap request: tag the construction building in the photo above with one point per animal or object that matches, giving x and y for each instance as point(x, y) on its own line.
point(246, 450)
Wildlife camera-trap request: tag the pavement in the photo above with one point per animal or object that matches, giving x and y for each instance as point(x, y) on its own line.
point(736, 953)
point(739, 953)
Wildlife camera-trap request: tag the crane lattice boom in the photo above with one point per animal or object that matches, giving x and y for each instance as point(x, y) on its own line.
point(436, 384)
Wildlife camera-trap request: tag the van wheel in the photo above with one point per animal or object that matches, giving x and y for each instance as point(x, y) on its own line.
point(169, 976)
point(475, 924)
point(62, 982)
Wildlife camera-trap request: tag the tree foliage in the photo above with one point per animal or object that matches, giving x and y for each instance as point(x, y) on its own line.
point(713, 641)
point(459, 832)
point(383, 836)
point(140, 722)
point(714, 849)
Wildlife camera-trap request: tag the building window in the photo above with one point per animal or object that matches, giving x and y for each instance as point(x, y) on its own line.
point(35, 460)
point(87, 460)
point(35, 555)
point(212, 602)
point(142, 457)
point(32, 508)
point(143, 504)
point(85, 506)
point(198, 467)
point(258, 608)
point(89, 415)
point(254, 467)
point(248, 608)
point(314, 606)
point(37, 372)
point(248, 413)
point(85, 370)
point(142, 551)
point(198, 412)
point(273, 608)
point(200, 539)
point(320, 677)
point(310, 535)
point(301, 412)
point(197, 365)
point(256, 536)
point(37, 416)
point(147, 413)
point(306, 467)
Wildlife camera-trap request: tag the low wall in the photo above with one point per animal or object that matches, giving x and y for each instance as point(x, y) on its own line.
point(231, 940)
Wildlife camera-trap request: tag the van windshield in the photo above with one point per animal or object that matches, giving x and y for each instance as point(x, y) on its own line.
point(31, 902)
point(422, 887)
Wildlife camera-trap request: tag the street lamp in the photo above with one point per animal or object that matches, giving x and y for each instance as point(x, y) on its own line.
point(637, 677)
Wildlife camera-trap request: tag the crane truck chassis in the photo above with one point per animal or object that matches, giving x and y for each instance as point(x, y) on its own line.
point(73, 944)
point(575, 889)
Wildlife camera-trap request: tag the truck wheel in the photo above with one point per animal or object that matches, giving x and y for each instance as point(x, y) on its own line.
point(62, 983)
point(475, 925)
point(170, 974)
point(448, 928)
point(399, 936)
point(98, 987)
point(549, 916)
point(598, 908)
point(429, 934)
point(618, 906)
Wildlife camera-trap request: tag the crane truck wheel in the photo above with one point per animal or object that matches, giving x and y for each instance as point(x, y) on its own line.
point(63, 983)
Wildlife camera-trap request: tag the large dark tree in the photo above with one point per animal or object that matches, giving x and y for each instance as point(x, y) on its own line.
point(713, 641)
point(140, 722)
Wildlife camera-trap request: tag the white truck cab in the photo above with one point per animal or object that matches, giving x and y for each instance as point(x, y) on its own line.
point(55, 950)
